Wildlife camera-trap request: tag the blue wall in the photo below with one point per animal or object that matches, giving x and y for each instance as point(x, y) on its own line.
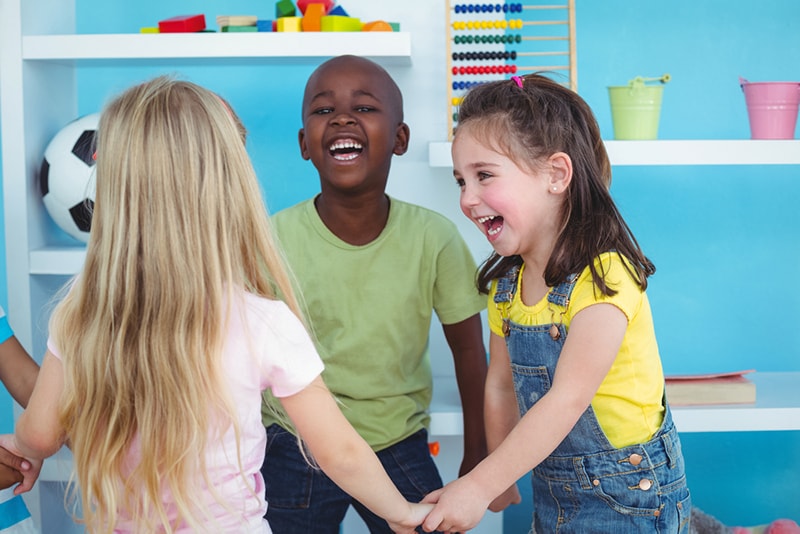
point(724, 239)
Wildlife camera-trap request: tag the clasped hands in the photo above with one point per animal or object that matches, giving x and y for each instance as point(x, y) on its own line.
point(457, 507)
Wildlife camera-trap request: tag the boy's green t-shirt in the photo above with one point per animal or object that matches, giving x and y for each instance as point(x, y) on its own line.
point(370, 310)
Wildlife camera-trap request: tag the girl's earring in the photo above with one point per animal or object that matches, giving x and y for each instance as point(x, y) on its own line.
point(555, 188)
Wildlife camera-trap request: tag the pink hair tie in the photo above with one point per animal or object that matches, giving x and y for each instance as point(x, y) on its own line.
point(517, 80)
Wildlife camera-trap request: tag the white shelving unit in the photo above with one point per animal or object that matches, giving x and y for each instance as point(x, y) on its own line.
point(676, 152)
point(39, 53)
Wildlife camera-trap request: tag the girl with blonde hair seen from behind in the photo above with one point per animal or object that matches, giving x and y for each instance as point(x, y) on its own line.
point(575, 388)
point(183, 313)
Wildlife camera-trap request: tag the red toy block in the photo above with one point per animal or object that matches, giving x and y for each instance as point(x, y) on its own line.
point(312, 20)
point(183, 24)
point(302, 5)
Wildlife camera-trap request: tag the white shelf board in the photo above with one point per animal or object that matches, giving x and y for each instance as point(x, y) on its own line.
point(777, 407)
point(57, 260)
point(284, 47)
point(676, 152)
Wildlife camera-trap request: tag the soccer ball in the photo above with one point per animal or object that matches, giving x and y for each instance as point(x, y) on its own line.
point(67, 177)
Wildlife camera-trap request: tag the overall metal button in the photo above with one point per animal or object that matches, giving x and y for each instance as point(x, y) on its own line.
point(635, 459)
point(645, 484)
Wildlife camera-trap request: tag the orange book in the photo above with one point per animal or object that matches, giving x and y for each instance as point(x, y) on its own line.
point(714, 388)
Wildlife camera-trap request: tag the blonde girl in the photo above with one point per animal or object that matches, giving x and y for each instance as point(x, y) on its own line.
point(575, 388)
point(183, 313)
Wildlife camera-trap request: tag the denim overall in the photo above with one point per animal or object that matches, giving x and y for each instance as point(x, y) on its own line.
point(586, 485)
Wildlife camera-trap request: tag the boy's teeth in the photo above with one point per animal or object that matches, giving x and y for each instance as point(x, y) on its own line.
point(343, 145)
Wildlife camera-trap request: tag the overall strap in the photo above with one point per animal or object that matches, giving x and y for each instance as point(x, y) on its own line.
point(561, 293)
point(504, 293)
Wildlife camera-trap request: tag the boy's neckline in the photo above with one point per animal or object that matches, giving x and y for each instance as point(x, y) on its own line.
point(355, 225)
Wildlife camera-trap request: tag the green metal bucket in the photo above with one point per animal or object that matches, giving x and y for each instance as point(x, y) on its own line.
point(636, 108)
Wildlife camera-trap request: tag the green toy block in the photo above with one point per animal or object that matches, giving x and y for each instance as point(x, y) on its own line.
point(336, 23)
point(285, 8)
point(236, 29)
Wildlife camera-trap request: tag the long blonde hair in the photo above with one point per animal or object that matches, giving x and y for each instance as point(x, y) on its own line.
point(179, 223)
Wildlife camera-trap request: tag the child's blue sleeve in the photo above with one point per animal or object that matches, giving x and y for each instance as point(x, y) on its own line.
point(5, 329)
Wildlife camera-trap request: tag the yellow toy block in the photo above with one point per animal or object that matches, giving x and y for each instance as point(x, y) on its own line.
point(376, 26)
point(149, 30)
point(312, 19)
point(290, 24)
point(337, 23)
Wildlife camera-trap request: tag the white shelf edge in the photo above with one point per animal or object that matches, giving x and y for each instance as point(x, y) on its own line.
point(279, 46)
point(57, 260)
point(676, 152)
point(777, 408)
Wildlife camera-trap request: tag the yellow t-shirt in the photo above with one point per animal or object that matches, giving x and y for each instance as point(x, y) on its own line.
point(628, 402)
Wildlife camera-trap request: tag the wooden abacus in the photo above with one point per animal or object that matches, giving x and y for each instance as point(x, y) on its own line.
point(487, 42)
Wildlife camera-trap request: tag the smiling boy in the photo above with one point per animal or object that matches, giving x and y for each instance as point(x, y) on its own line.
point(372, 270)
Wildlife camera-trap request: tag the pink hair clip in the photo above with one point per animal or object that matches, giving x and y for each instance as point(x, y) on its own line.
point(518, 81)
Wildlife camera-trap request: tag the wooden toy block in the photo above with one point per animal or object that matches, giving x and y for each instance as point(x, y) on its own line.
point(150, 29)
point(338, 11)
point(239, 29)
point(236, 20)
point(395, 26)
point(312, 20)
point(284, 8)
point(290, 24)
point(336, 23)
point(265, 25)
point(182, 24)
point(302, 5)
point(376, 26)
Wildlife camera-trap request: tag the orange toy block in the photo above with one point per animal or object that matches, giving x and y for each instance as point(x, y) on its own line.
point(290, 24)
point(312, 19)
point(336, 23)
point(376, 26)
point(302, 5)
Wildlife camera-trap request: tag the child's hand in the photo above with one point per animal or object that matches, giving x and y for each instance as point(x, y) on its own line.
point(416, 516)
point(506, 499)
point(460, 505)
point(11, 467)
point(28, 469)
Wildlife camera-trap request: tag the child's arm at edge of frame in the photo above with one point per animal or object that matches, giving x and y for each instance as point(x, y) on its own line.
point(18, 371)
point(465, 340)
point(346, 458)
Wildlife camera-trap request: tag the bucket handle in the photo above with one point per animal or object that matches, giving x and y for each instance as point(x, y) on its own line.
point(639, 80)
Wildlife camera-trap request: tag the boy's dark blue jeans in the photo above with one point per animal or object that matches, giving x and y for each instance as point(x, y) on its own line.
point(302, 499)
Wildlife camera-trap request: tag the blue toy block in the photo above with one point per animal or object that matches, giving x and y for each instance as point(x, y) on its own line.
point(338, 11)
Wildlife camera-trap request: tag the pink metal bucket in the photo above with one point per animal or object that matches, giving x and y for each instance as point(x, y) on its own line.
point(772, 108)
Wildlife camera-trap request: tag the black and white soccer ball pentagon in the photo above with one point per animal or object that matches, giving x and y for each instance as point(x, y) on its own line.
point(67, 177)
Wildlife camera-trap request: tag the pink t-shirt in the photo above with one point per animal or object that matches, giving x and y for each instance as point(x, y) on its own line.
point(266, 347)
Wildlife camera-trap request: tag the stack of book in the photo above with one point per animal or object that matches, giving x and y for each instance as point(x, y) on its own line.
point(715, 388)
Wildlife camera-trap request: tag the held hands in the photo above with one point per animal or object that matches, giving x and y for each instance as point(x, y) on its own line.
point(460, 505)
point(14, 468)
point(414, 518)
